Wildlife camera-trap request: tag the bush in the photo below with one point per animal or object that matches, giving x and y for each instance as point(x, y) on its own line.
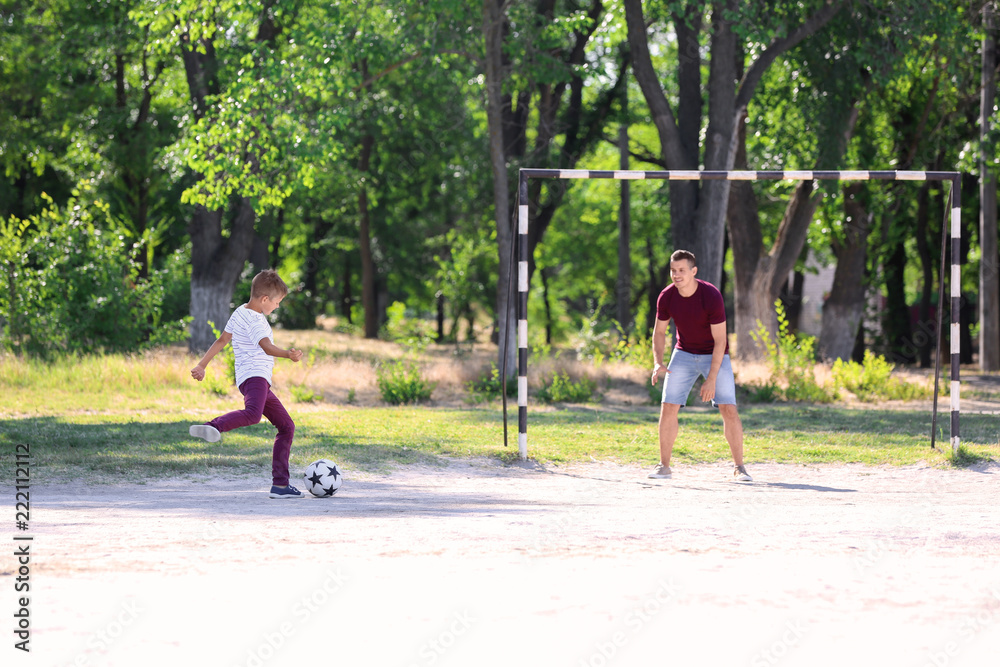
point(655, 390)
point(487, 386)
point(763, 392)
point(791, 359)
point(400, 382)
point(638, 353)
point(561, 389)
point(302, 394)
point(70, 283)
point(411, 333)
point(871, 380)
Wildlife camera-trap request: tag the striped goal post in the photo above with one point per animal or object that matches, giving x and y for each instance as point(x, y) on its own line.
point(521, 252)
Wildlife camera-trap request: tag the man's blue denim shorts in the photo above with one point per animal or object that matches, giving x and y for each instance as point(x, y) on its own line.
point(684, 369)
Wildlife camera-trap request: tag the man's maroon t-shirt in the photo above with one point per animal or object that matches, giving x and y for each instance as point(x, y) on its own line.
point(693, 316)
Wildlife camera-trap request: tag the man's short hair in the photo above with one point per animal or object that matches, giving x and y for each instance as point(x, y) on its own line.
point(268, 283)
point(683, 254)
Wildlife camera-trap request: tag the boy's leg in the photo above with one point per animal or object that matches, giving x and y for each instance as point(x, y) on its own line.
point(277, 415)
point(254, 392)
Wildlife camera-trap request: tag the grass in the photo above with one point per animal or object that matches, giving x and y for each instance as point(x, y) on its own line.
point(120, 418)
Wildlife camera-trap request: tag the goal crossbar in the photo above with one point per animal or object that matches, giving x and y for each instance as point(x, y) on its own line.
point(520, 251)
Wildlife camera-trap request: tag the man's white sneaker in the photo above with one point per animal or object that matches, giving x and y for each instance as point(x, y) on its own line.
point(740, 474)
point(661, 472)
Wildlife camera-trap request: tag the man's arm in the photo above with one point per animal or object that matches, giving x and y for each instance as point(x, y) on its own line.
point(718, 352)
point(275, 351)
point(198, 372)
point(659, 345)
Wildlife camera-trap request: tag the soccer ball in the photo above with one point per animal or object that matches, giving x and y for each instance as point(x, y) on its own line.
point(322, 478)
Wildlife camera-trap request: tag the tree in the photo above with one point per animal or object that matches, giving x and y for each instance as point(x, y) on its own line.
point(551, 51)
point(698, 208)
point(989, 285)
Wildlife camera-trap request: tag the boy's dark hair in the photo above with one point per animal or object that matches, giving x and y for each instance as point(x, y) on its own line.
point(683, 254)
point(268, 283)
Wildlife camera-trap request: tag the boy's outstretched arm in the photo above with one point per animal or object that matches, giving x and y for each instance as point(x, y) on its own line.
point(198, 372)
point(275, 351)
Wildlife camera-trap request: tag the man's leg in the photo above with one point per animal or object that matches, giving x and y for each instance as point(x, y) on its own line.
point(681, 374)
point(733, 430)
point(725, 398)
point(667, 431)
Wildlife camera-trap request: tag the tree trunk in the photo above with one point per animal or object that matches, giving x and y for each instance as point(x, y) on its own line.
point(439, 303)
point(548, 305)
point(968, 306)
point(216, 265)
point(623, 285)
point(279, 227)
point(989, 286)
point(368, 297)
point(760, 274)
point(654, 285)
point(791, 299)
point(493, 26)
point(896, 317)
point(845, 307)
point(924, 336)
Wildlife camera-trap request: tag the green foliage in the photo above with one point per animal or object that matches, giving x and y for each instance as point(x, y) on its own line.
point(487, 386)
point(466, 274)
point(791, 359)
point(410, 332)
point(400, 382)
point(71, 284)
point(763, 392)
point(303, 394)
point(966, 457)
point(638, 352)
point(655, 391)
point(561, 389)
point(871, 380)
point(95, 90)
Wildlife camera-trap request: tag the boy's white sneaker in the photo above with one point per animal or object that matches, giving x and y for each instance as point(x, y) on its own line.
point(205, 432)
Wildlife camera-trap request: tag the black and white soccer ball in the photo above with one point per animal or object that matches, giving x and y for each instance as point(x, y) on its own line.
point(322, 478)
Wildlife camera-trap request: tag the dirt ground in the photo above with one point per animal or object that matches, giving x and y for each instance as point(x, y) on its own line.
point(477, 563)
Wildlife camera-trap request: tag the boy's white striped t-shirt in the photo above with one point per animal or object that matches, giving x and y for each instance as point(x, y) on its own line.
point(248, 327)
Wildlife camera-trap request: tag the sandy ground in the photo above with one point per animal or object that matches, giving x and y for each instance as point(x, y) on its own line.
point(476, 563)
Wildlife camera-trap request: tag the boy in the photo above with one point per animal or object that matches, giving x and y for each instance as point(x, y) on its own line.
point(699, 314)
point(254, 349)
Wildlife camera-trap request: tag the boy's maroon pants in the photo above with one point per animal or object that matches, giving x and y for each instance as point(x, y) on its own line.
point(258, 399)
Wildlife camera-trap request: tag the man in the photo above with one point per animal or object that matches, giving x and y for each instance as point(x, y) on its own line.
point(699, 314)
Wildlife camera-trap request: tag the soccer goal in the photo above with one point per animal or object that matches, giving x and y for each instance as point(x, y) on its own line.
point(519, 252)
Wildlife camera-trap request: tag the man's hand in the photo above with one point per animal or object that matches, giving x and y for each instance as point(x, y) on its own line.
point(198, 373)
point(294, 354)
point(708, 390)
point(659, 370)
